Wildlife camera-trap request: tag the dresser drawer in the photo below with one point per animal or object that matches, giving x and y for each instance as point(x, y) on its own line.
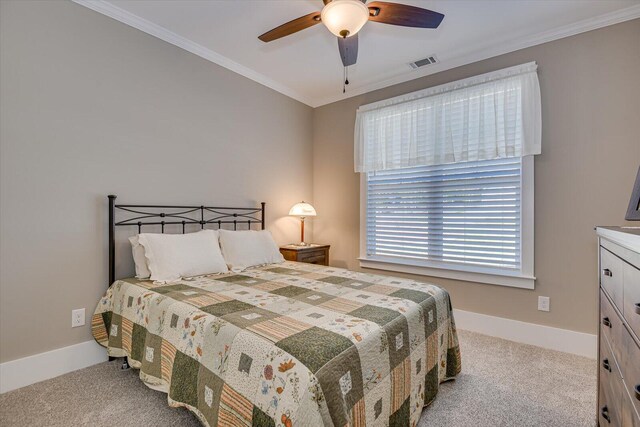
point(611, 326)
point(628, 414)
point(312, 256)
point(611, 276)
point(611, 387)
point(609, 405)
point(631, 306)
point(630, 367)
point(609, 368)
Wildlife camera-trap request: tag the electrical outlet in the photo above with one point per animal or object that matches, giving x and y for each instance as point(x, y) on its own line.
point(77, 317)
point(543, 303)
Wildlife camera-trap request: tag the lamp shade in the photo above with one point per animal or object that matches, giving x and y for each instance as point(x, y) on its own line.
point(302, 209)
point(344, 18)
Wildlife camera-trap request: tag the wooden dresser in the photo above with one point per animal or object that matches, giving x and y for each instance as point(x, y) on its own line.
point(619, 331)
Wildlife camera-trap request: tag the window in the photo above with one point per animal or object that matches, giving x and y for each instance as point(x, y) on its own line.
point(463, 220)
point(447, 179)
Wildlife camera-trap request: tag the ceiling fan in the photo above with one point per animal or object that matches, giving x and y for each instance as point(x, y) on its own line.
point(344, 18)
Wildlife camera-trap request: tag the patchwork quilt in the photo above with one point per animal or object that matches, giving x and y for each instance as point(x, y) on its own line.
point(286, 344)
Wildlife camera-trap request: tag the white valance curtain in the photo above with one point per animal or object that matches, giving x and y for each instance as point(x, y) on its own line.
point(491, 116)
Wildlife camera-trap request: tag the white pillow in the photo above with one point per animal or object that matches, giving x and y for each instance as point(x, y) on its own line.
point(142, 269)
point(244, 249)
point(173, 256)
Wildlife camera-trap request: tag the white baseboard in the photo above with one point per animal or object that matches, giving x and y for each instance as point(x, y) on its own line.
point(39, 367)
point(529, 333)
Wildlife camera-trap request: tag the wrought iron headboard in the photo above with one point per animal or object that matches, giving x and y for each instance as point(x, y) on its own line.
point(146, 215)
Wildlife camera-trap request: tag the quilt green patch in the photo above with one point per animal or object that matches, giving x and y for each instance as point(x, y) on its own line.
point(313, 297)
point(137, 342)
point(184, 380)
point(174, 288)
point(430, 312)
point(431, 385)
point(400, 418)
point(453, 362)
point(411, 295)
point(106, 318)
point(261, 419)
point(209, 391)
point(226, 307)
point(397, 331)
point(233, 279)
point(315, 347)
point(335, 280)
point(342, 376)
point(290, 291)
point(115, 330)
point(349, 283)
point(152, 355)
point(379, 315)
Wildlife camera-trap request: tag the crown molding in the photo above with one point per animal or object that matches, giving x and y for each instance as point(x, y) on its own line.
point(128, 18)
point(457, 59)
point(480, 53)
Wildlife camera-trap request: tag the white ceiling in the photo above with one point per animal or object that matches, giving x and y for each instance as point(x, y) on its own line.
point(307, 66)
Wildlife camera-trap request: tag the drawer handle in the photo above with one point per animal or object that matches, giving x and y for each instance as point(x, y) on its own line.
point(605, 414)
point(607, 272)
point(606, 322)
point(638, 308)
point(638, 392)
point(606, 365)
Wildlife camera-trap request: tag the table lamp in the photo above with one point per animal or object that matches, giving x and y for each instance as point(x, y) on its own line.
point(302, 210)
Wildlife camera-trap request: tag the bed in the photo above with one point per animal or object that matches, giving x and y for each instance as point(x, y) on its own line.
point(280, 344)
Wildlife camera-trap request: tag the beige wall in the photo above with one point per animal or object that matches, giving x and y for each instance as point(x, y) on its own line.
point(89, 107)
point(590, 155)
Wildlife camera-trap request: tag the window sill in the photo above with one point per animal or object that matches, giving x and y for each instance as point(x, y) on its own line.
point(515, 280)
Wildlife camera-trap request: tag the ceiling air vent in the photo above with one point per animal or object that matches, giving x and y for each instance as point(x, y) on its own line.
point(429, 60)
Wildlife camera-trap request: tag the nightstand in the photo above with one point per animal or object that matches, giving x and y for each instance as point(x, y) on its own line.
point(312, 254)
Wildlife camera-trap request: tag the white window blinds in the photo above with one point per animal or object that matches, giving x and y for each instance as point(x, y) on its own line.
point(459, 214)
point(492, 116)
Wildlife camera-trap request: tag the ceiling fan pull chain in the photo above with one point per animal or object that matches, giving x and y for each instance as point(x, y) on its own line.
point(345, 75)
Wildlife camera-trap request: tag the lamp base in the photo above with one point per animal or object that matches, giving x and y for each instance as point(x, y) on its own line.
point(303, 244)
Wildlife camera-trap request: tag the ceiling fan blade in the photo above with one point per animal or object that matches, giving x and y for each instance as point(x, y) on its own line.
point(348, 49)
point(291, 27)
point(403, 15)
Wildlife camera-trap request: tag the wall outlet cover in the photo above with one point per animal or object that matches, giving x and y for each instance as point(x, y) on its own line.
point(543, 303)
point(77, 318)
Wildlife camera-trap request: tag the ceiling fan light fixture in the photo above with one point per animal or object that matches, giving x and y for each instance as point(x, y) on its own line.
point(345, 18)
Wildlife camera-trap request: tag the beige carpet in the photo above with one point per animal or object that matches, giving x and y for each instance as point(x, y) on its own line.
point(502, 384)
